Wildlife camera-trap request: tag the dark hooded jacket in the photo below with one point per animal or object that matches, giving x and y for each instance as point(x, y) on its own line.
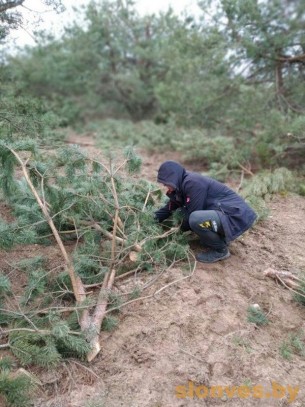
point(195, 192)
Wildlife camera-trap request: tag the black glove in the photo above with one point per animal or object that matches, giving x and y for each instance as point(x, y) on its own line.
point(166, 211)
point(163, 213)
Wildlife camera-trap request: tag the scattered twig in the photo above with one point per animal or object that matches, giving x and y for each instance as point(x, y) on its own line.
point(124, 275)
point(241, 181)
point(70, 375)
point(84, 367)
point(193, 356)
point(156, 292)
point(146, 200)
point(39, 331)
point(246, 170)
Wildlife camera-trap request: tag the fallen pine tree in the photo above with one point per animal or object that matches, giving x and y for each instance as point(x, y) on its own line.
point(63, 194)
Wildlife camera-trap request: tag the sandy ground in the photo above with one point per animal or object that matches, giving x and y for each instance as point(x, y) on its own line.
point(195, 333)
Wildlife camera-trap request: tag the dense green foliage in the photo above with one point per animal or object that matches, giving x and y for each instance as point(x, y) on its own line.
point(224, 87)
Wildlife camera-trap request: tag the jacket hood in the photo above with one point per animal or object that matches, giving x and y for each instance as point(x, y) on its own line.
point(171, 173)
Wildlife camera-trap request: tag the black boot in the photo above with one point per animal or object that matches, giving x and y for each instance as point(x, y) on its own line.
point(213, 255)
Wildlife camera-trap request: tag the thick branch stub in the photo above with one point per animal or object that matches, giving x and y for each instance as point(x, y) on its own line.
point(285, 277)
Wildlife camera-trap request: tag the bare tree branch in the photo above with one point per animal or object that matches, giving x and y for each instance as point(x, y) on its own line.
point(10, 4)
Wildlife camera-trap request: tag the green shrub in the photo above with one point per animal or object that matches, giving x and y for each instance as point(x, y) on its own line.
point(294, 345)
point(17, 389)
point(259, 188)
point(299, 296)
point(256, 316)
point(112, 133)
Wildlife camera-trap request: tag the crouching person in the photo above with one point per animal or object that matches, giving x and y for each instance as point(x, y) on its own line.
point(210, 209)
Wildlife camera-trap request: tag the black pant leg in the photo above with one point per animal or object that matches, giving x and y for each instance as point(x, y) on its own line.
point(207, 225)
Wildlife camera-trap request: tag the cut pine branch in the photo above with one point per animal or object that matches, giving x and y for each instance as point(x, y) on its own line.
point(137, 247)
point(106, 233)
point(284, 277)
point(77, 285)
point(100, 309)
